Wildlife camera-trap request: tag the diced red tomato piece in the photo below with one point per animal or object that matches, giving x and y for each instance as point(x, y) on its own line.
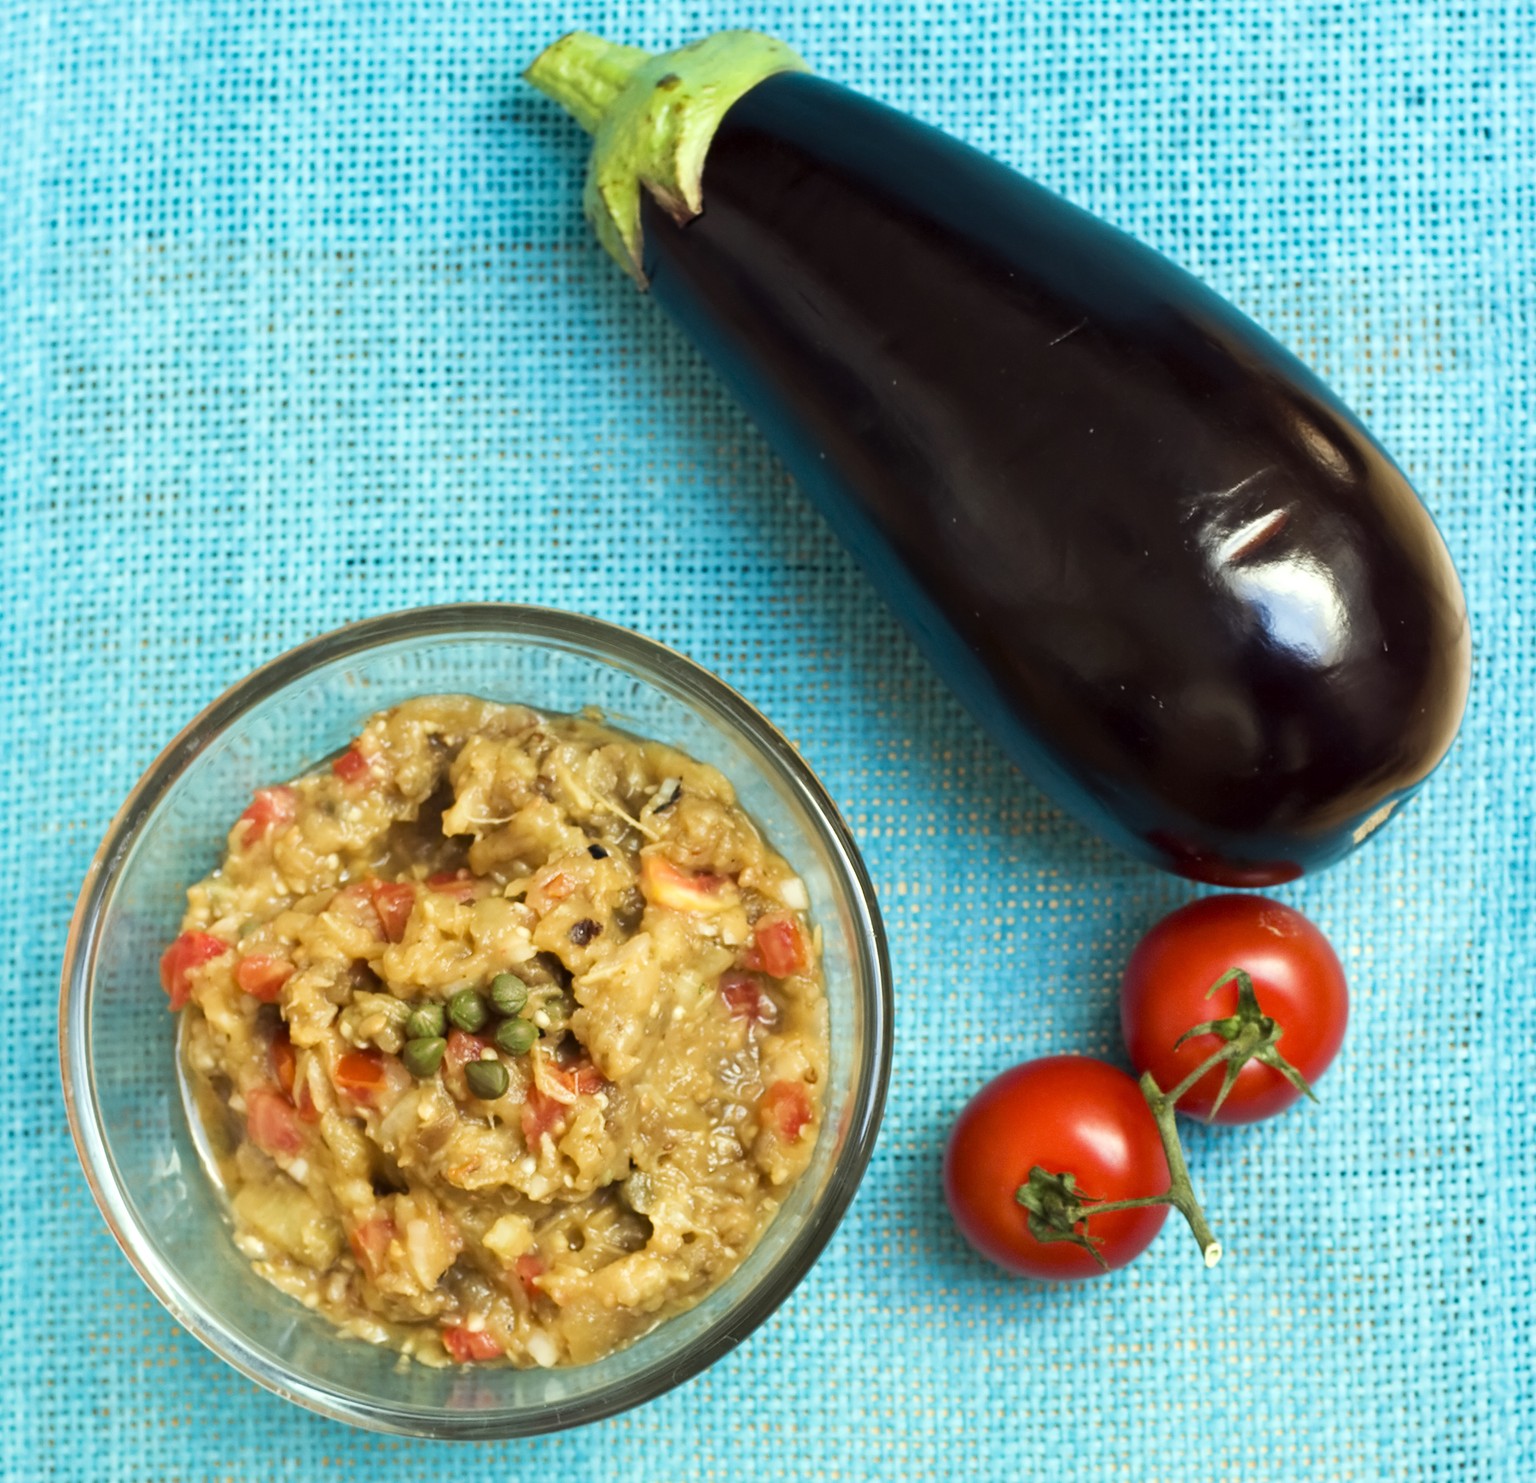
point(540, 1115)
point(270, 809)
point(305, 1102)
point(529, 1267)
point(464, 1048)
point(582, 1078)
point(272, 1122)
point(555, 887)
point(354, 901)
point(394, 901)
point(671, 886)
point(281, 1058)
point(352, 767)
point(459, 884)
point(577, 1074)
point(781, 944)
point(787, 1109)
point(262, 976)
point(744, 997)
point(177, 963)
point(464, 1345)
point(369, 1240)
point(361, 1074)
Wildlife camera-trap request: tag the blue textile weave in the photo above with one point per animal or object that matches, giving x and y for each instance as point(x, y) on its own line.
point(299, 322)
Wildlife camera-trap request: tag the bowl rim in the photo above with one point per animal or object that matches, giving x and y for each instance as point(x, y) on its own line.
point(607, 642)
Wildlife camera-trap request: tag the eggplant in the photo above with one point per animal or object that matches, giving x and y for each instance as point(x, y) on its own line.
point(1160, 562)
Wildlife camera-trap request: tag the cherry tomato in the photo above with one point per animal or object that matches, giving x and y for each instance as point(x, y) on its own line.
point(1067, 1115)
point(1296, 978)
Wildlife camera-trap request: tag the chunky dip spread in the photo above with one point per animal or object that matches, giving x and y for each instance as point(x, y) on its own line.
point(506, 1031)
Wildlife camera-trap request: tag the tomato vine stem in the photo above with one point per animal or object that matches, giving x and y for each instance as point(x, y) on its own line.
point(1059, 1211)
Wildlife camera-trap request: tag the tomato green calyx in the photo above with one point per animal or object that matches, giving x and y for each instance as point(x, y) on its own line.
point(1059, 1211)
point(1250, 1035)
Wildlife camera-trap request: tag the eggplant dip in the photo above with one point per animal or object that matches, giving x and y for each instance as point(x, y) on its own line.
point(506, 1032)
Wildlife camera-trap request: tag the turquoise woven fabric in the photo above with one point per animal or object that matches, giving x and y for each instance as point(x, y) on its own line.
point(299, 322)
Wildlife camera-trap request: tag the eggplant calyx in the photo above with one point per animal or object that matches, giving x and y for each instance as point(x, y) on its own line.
point(652, 119)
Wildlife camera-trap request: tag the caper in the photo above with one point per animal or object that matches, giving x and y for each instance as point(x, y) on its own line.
point(423, 1055)
point(467, 1010)
point(426, 1023)
point(488, 1080)
point(508, 993)
point(516, 1037)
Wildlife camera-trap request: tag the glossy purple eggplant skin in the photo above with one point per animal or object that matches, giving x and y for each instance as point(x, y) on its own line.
point(1158, 560)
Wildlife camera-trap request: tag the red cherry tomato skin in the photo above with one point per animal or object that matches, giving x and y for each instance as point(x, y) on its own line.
point(1067, 1114)
point(1296, 976)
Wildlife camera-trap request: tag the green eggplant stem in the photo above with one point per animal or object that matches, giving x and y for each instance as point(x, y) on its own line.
point(652, 119)
point(585, 75)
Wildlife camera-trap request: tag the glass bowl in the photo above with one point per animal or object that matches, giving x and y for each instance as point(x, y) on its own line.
point(117, 1042)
